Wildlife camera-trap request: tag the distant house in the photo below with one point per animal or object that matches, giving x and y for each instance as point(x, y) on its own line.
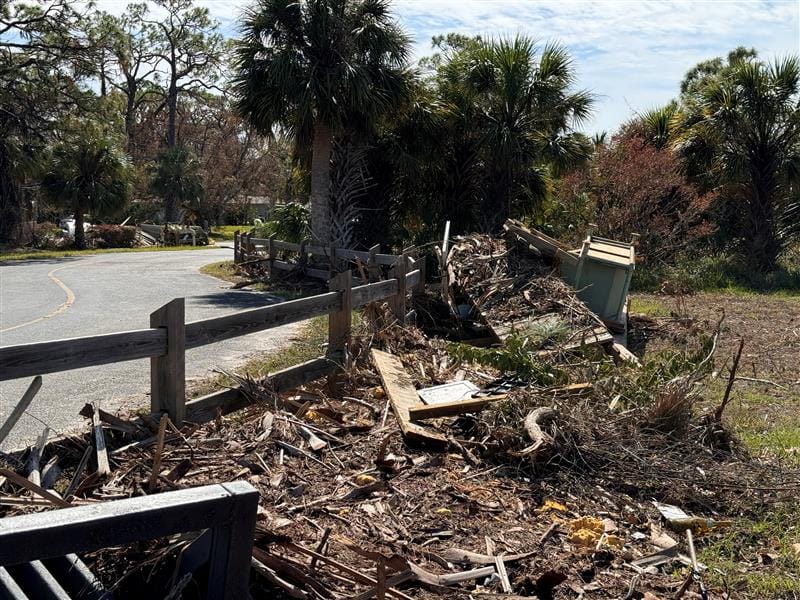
point(262, 205)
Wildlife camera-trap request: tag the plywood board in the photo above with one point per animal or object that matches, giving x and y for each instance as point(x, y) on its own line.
point(403, 396)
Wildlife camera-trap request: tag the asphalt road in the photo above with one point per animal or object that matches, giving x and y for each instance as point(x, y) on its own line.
point(103, 293)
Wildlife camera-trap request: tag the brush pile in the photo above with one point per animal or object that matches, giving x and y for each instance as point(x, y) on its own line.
point(545, 492)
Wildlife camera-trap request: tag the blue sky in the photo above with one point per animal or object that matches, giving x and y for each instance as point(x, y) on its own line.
point(631, 54)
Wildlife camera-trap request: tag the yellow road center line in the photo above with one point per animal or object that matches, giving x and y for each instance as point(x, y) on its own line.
point(67, 303)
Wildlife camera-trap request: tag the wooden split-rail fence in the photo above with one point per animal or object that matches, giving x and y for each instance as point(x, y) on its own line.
point(169, 336)
point(307, 258)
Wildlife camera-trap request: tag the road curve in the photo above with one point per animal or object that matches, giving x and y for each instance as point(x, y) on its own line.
point(102, 293)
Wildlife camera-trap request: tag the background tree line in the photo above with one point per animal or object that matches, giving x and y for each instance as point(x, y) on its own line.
point(319, 102)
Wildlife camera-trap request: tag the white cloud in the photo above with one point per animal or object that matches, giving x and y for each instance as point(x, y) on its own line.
point(632, 54)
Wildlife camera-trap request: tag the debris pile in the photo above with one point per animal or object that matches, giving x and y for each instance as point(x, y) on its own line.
point(597, 484)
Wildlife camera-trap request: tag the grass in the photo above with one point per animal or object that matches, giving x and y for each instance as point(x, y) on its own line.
point(773, 568)
point(307, 344)
point(225, 232)
point(224, 269)
point(649, 306)
point(50, 254)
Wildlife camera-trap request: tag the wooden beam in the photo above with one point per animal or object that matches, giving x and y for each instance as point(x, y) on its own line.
point(450, 409)
point(402, 396)
point(208, 331)
point(168, 372)
point(103, 468)
point(21, 407)
point(26, 360)
point(280, 381)
point(340, 322)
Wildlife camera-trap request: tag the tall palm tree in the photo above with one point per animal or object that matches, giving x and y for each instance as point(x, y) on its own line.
point(747, 124)
point(527, 114)
point(314, 67)
point(89, 174)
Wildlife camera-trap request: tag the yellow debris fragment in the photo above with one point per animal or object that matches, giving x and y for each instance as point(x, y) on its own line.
point(551, 505)
point(443, 511)
point(365, 479)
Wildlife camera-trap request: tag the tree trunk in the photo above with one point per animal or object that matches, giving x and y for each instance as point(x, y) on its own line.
point(170, 208)
point(761, 241)
point(80, 235)
point(321, 183)
point(10, 201)
point(130, 110)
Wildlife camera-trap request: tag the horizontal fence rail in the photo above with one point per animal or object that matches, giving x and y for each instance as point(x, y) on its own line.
point(40, 358)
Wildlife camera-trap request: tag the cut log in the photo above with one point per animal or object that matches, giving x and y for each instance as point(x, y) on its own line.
point(402, 396)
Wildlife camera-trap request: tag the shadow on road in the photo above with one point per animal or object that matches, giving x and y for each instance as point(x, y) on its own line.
point(27, 262)
point(236, 299)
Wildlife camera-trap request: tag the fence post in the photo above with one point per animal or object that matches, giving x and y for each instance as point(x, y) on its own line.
point(303, 253)
point(419, 289)
point(271, 253)
point(332, 267)
point(168, 372)
point(340, 322)
point(373, 268)
point(398, 301)
point(236, 248)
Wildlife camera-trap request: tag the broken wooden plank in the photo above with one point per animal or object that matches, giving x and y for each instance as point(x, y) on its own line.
point(452, 409)
point(32, 487)
point(103, 468)
point(619, 348)
point(34, 459)
point(76, 478)
point(111, 421)
point(402, 396)
point(21, 407)
point(162, 432)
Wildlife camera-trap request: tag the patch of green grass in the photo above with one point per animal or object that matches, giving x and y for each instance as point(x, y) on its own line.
point(49, 254)
point(649, 306)
point(224, 269)
point(225, 232)
point(764, 423)
point(733, 555)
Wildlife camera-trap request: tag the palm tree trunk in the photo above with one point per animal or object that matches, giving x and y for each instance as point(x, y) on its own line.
point(80, 235)
point(321, 183)
point(10, 201)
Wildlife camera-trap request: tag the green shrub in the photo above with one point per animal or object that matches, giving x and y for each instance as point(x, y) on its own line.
point(517, 355)
point(290, 223)
point(708, 272)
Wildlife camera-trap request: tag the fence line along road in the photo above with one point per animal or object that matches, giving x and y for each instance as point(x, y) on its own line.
point(166, 342)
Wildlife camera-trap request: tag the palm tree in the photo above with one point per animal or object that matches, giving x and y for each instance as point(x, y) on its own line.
point(89, 174)
point(746, 125)
point(314, 68)
point(176, 175)
point(528, 112)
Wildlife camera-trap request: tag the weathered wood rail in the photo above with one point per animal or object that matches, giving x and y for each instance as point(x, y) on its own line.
point(227, 511)
point(169, 336)
point(278, 255)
